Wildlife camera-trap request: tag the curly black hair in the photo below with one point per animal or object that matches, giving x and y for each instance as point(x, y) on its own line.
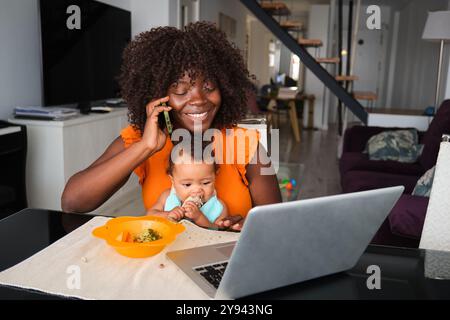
point(158, 58)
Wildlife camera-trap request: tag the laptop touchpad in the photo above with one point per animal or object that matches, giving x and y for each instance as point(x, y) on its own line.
point(226, 249)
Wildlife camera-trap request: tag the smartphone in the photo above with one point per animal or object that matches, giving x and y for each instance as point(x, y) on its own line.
point(164, 120)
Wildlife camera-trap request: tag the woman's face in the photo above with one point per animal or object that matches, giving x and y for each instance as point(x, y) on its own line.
point(195, 103)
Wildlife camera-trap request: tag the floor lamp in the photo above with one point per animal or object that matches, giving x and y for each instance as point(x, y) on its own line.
point(437, 28)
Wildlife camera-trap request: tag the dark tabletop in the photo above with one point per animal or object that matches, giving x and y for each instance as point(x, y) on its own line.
point(402, 270)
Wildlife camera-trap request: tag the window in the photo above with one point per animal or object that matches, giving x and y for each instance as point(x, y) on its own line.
point(295, 67)
point(272, 49)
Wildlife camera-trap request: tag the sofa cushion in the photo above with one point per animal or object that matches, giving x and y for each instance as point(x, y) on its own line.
point(424, 184)
point(360, 161)
point(433, 136)
point(354, 181)
point(408, 215)
point(396, 145)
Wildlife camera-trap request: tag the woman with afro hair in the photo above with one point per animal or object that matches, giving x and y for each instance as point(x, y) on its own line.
point(198, 77)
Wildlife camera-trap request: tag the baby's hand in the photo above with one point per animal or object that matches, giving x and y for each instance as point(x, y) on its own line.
point(191, 210)
point(177, 213)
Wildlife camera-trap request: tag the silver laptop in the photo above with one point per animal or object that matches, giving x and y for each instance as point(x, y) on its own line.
point(290, 242)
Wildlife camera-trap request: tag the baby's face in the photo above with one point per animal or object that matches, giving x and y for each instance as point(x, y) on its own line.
point(194, 180)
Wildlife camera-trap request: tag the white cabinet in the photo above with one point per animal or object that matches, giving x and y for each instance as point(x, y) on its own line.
point(58, 149)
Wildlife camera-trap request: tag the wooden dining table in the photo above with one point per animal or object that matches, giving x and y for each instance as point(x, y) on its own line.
point(292, 110)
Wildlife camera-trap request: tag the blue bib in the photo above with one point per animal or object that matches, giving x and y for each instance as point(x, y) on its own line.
point(211, 209)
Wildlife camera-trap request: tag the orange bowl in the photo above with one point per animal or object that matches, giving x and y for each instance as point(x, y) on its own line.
point(117, 230)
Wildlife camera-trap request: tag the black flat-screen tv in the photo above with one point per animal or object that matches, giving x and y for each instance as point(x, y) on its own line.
point(81, 65)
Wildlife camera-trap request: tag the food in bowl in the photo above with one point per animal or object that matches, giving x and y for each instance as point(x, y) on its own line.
point(120, 233)
point(145, 236)
point(148, 235)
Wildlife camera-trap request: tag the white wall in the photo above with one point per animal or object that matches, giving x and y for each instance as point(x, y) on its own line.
point(20, 55)
point(209, 11)
point(258, 55)
point(371, 61)
point(317, 29)
point(174, 13)
point(417, 59)
point(147, 14)
point(391, 61)
point(285, 60)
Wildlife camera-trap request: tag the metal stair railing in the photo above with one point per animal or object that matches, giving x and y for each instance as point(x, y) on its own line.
point(308, 60)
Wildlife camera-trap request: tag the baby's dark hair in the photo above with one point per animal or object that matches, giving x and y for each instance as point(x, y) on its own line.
point(158, 58)
point(195, 153)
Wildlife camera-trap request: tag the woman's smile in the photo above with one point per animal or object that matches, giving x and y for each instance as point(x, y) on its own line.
point(196, 116)
point(192, 119)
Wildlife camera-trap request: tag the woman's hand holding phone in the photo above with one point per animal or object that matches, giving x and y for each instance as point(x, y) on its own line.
point(153, 137)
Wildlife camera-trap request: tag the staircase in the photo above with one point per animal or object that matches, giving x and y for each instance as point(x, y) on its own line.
point(290, 25)
point(266, 11)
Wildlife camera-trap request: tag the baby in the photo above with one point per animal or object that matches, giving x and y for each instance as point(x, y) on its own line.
point(193, 194)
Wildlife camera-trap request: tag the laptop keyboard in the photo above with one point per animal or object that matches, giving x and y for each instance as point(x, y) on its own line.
point(212, 273)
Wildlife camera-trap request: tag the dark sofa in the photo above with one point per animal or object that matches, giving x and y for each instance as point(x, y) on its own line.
point(353, 158)
point(404, 224)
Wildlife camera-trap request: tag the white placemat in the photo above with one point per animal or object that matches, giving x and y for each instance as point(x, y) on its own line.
point(104, 274)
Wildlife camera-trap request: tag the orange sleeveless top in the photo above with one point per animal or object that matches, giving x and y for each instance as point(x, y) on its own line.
point(231, 184)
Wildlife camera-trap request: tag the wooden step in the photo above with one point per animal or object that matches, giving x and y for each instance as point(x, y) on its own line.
point(365, 95)
point(291, 25)
point(273, 5)
point(276, 8)
point(346, 78)
point(310, 42)
point(328, 60)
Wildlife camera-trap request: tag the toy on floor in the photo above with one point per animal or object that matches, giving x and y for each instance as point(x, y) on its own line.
point(288, 184)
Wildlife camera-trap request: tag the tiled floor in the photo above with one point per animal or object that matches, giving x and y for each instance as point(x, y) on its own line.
point(317, 151)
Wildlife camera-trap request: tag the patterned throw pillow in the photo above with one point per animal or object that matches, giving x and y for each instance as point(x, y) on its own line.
point(424, 184)
point(397, 145)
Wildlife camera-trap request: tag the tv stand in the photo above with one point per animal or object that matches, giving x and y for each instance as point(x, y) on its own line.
point(59, 149)
point(84, 107)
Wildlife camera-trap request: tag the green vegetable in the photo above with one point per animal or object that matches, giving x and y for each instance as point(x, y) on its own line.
point(147, 235)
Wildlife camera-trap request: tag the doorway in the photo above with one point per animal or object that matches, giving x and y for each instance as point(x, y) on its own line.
point(189, 12)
